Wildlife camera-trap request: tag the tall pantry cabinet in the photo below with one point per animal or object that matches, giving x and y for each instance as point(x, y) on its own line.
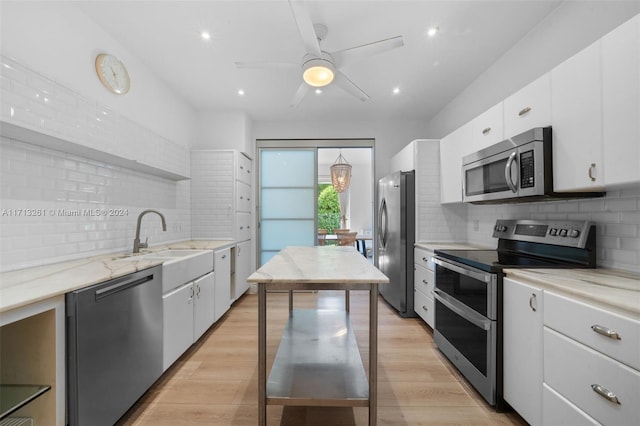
point(221, 206)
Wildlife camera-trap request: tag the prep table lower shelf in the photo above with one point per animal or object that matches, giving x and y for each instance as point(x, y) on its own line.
point(318, 362)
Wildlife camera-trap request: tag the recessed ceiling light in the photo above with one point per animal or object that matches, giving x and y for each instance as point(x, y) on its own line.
point(396, 90)
point(432, 31)
point(240, 92)
point(318, 91)
point(205, 35)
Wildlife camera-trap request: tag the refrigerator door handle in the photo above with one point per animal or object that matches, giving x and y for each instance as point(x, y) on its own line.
point(384, 223)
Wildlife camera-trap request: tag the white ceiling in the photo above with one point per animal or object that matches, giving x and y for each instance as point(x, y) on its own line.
point(430, 72)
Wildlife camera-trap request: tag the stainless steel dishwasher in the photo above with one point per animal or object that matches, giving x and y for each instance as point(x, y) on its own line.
point(114, 346)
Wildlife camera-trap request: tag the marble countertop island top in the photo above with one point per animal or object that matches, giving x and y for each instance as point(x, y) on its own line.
point(30, 285)
point(616, 291)
point(319, 265)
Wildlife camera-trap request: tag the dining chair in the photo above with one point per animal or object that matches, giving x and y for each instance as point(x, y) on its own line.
point(346, 238)
point(322, 236)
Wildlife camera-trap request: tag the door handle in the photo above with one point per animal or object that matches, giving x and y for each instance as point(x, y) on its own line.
point(507, 172)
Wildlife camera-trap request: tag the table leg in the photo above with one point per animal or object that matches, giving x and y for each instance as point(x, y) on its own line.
point(373, 355)
point(262, 355)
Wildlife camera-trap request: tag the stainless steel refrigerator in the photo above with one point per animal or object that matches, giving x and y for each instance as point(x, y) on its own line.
point(395, 239)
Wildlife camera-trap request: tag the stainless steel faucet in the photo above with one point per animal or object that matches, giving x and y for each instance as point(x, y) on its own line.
point(137, 245)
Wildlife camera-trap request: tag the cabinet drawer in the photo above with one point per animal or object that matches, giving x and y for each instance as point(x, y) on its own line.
point(576, 319)
point(424, 280)
point(424, 307)
point(529, 107)
point(243, 173)
point(422, 257)
point(243, 226)
point(243, 197)
point(558, 411)
point(573, 369)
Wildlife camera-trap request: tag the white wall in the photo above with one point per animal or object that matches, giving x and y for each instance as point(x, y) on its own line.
point(390, 136)
point(60, 42)
point(567, 30)
point(224, 130)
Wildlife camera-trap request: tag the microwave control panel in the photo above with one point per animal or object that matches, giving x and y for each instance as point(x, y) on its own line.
point(527, 170)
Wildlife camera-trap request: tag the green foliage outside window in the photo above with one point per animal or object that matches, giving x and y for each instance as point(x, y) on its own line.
point(328, 208)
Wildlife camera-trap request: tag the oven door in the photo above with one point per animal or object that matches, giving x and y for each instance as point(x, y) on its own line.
point(471, 287)
point(465, 322)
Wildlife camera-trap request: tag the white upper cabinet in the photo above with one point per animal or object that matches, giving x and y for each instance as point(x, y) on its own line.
point(451, 148)
point(529, 107)
point(621, 103)
point(488, 128)
point(576, 105)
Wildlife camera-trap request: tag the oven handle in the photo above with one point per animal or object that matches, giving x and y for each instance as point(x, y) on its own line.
point(477, 275)
point(470, 315)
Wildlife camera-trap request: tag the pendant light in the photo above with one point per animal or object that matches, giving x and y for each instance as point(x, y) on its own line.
point(341, 174)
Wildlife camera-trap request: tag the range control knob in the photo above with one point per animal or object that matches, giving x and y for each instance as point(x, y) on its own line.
point(574, 233)
point(553, 232)
point(563, 232)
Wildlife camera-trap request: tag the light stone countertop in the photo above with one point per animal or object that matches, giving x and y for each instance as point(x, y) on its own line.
point(318, 265)
point(615, 291)
point(30, 285)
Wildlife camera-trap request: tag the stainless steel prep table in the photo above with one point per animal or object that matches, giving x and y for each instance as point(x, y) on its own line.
point(316, 364)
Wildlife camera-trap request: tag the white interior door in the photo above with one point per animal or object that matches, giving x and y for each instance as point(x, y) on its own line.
point(287, 199)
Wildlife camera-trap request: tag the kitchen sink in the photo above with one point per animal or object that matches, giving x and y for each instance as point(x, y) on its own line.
point(178, 266)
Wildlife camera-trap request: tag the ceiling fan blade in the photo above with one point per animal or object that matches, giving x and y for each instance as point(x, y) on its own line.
point(349, 86)
point(272, 65)
point(300, 93)
point(346, 56)
point(305, 27)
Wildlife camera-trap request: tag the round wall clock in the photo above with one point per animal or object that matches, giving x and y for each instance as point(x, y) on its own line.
point(112, 73)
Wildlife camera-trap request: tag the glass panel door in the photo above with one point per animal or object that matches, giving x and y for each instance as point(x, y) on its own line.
point(287, 199)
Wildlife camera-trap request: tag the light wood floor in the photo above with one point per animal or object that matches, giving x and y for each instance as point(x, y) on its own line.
point(216, 381)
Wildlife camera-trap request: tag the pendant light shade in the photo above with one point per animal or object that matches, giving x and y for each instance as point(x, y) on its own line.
point(340, 174)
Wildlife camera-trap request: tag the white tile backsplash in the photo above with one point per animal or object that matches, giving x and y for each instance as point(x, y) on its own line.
point(52, 206)
point(616, 215)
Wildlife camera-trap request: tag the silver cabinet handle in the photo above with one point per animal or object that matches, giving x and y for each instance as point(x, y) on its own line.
point(425, 308)
point(507, 171)
point(241, 168)
point(424, 259)
point(533, 301)
point(224, 256)
point(425, 282)
point(592, 174)
point(524, 110)
point(607, 332)
point(198, 292)
point(605, 393)
point(486, 131)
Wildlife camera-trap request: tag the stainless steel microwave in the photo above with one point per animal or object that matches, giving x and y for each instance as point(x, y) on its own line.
point(515, 170)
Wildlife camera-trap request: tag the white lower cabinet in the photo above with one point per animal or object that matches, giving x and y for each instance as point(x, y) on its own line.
point(242, 269)
point(522, 349)
point(560, 411)
point(222, 298)
point(603, 388)
point(188, 311)
point(423, 285)
point(177, 323)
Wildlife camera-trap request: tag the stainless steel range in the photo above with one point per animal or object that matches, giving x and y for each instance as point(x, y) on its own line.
point(468, 291)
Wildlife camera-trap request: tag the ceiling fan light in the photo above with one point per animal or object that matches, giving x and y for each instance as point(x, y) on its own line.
point(318, 72)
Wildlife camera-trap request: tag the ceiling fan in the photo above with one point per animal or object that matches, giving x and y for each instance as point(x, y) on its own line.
point(320, 68)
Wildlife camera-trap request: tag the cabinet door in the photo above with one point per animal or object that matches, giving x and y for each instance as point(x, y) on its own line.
point(488, 128)
point(222, 277)
point(203, 309)
point(243, 268)
point(559, 411)
point(529, 107)
point(522, 349)
point(451, 148)
point(621, 103)
point(243, 197)
point(177, 322)
point(424, 306)
point(576, 105)
point(243, 171)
